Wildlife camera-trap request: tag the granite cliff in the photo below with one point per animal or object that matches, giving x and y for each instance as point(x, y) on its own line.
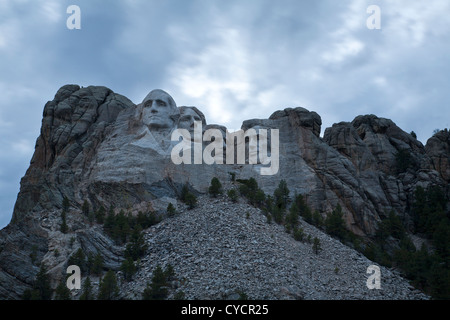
point(98, 147)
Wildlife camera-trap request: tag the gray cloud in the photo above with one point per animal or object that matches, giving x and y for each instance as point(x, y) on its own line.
point(234, 60)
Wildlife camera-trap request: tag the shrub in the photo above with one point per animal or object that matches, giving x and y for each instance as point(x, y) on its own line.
point(232, 194)
point(191, 200)
point(171, 211)
point(299, 234)
point(184, 192)
point(216, 187)
point(403, 160)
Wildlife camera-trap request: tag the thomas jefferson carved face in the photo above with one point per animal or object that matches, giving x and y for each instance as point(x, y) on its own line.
point(159, 110)
point(188, 115)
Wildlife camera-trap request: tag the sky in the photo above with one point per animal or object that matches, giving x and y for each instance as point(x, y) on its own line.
point(234, 60)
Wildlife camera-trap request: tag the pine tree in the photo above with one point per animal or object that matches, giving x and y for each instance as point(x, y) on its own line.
point(41, 287)
point(303, 208)
point(335, 224)
point(299, 234)
point(260, 198)
point(65, 204)
point(292, 216)
point(317, 219)
point(87, 290)
point(108, 289)
point(97, 264)
point(63, 228)
point(277, 214)
point(281, 195)
point(62, 292)
point(128, 268)
point(316, 245)
point(109, 221)
point(85, 208)
point(157, 289)
point(171, 211)
point(184, 192)
point(78, 259)
point(137, 246)
point(215, 188)
point(100, 215)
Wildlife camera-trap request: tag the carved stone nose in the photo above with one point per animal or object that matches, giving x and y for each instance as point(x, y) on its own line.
point(153, 108)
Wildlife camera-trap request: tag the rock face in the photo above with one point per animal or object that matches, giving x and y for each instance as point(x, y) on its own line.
point(97, 146)
point(74, 123)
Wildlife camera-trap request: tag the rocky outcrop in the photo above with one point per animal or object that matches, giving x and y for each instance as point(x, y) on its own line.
point(74, 123)
point(438, 149)
point(97, 146)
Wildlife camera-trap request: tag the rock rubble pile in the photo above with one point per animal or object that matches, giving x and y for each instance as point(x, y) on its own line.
point(222, 249)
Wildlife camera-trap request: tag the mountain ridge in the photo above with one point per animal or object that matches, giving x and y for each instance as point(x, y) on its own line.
point(93, 148)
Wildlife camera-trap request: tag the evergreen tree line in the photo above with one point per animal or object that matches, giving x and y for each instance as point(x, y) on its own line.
point(187, 197)
point(428, 269)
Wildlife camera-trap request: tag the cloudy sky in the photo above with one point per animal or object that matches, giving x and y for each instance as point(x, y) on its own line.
point(234, 60)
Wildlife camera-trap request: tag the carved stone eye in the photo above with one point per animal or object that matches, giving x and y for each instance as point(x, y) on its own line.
point(161, 103)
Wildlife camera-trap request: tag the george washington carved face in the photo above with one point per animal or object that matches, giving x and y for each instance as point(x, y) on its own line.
point(159, 110)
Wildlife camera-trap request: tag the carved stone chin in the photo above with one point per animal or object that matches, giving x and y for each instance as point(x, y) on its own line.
point(155, 140)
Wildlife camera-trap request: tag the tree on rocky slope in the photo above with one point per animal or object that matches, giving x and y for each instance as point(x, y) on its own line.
point(215, 188)
point(334, 223)
point(108, 289)
point(41, 287)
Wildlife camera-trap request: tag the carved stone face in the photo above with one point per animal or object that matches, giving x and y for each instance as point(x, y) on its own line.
point(188, 116)
point(159, 110)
